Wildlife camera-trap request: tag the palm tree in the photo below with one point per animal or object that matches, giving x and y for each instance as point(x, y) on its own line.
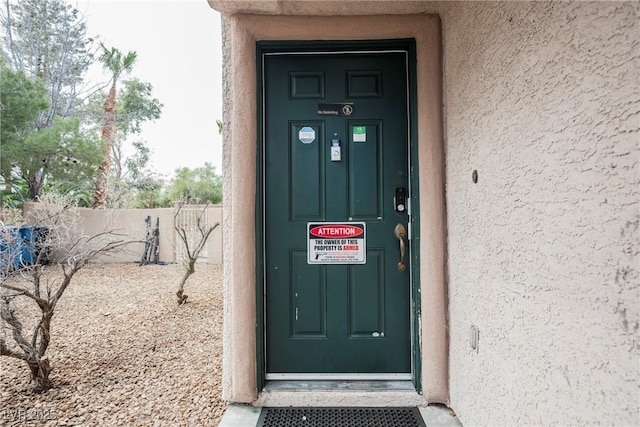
point(114, 61)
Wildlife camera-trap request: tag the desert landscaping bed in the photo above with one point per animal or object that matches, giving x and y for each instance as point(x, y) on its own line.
point(124, 353)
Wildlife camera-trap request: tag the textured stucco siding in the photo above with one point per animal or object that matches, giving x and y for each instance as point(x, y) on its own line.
point(227, 181)
point(240, 33)
point(542, 100)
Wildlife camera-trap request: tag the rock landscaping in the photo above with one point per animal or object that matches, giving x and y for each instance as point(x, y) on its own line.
point(125, 354)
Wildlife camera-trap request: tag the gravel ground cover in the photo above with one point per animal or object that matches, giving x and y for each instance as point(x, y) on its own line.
point(124, 353)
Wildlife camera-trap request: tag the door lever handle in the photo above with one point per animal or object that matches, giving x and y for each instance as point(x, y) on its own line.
point(400, 232)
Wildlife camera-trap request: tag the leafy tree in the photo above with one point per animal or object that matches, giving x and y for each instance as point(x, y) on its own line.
point(13, 195)
point(135, 105)
point(201, 184)
point(125, 182)
point(116, 63)
point(21, 100)
point(137, 165)
point(144, 182)
point(62, 154)
point(30, 158)
point(47, 40)
point(149, 193)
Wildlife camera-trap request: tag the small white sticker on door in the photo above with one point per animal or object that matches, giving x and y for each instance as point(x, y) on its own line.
point(359, 134)
point(336, 243)
point(307, 135)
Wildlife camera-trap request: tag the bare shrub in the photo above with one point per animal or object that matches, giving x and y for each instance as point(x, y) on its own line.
point(194, 240)
point(28, 297)
point(10, 216)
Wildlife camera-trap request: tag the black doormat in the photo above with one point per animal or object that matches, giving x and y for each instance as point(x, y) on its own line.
point(340, 417)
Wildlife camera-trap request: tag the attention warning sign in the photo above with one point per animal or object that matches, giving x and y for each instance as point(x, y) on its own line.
point(336, 243)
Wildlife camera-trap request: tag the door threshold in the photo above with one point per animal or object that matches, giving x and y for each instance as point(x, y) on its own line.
point(339, 393)
point(336, 385)
point(338, 376)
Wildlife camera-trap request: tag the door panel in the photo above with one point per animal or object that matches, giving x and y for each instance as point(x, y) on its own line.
point(306, 175)
point(366, 192)
point(335, 318)
point(308, 298)
point(367, 297)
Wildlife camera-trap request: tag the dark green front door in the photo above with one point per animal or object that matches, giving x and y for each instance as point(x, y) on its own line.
point(350, 315)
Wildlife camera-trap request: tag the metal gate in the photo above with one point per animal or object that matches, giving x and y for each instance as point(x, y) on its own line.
point(187, 218)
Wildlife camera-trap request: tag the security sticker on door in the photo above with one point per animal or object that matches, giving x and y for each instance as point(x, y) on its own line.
point(359, 134)
point(307, 135)
point(336, 243)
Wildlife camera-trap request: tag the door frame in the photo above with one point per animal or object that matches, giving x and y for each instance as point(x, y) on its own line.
point(345, 47)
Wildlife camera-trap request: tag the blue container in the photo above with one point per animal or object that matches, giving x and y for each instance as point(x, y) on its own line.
point(33, 238)
point(22, 246)
point(11, 247)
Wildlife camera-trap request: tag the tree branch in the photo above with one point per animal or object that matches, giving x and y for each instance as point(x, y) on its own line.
point(6, 351)
point(8, 315)
point(26, 293)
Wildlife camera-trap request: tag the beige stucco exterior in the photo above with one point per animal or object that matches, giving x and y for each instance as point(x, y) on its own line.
point(541, 254)
point(240, 276)
point(543, 100)
point(130, 224)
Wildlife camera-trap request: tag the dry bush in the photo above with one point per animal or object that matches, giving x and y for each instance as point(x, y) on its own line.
point(28, 298)
point(194, 241)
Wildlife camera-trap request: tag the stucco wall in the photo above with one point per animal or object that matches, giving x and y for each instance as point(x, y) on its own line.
point(240, 33)
point(542, 100)
point(130, 223)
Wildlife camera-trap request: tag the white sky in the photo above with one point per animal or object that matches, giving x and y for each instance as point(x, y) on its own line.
point(179, 53)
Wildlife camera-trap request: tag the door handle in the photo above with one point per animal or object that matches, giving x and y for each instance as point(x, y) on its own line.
point(400, 232)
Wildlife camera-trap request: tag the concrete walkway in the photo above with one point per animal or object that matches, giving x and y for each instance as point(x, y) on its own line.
point(238, 415)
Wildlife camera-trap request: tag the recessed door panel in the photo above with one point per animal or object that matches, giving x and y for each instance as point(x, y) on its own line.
point(367, 297)
point(366, 192)
point(306, 171)
point(308, 298)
